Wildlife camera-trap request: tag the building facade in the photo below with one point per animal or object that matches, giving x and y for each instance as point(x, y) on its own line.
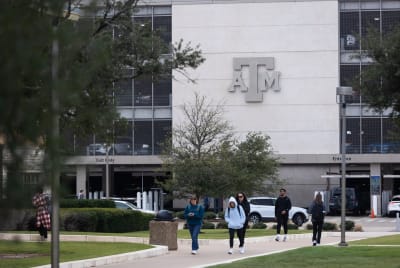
point(275, 66)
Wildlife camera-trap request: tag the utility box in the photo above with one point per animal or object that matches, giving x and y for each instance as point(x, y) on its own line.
point(164, 231)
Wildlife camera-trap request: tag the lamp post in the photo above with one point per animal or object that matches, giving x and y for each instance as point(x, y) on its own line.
point(341, 93)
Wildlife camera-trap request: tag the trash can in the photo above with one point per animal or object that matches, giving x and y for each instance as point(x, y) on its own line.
point(164, 230)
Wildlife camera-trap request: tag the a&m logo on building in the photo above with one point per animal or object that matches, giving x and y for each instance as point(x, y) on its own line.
point(254, 76)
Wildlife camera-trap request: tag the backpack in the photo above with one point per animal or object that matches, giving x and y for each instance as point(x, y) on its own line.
point(237, 206)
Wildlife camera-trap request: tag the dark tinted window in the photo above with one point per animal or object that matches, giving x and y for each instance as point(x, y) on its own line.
point(263, 202)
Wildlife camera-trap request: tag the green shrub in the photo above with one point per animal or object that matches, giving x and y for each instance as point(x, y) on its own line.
point(222, 225)
point(329, 226)
point(349, 225)
point(179, 215)
point(259, 225)
point(309, 226)
point(209, 215)
point(208, 225)
point(104, 220)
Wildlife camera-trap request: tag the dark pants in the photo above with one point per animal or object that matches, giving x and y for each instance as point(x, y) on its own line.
point(246, 223)
point(43, 231)
point(232, 235)
point(317, 230)
point(282, 221)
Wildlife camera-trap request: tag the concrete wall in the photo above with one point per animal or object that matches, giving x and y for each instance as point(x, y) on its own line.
point(302, 37)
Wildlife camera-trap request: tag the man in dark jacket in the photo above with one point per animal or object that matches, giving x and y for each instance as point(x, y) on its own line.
point(282, 207)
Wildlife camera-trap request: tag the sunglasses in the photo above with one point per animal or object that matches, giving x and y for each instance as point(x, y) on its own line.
point(240, 196)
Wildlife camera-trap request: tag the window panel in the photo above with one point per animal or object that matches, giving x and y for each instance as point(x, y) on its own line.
point(163, 92)
point(143, 91)
point(162, 131)
point(352, 135)
point(349, 31)
point(389, 20)
point(369, 19)
point(164, 28)
point(143, 137)
point(123, 92)
point(371, 137)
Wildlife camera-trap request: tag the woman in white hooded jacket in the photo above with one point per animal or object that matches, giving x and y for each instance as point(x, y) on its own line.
point(235, 217)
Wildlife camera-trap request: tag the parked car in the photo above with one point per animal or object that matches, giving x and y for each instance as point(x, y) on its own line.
point(393, 206)
point(263, 209)
point(96, 149)
point(356, 202)
point(127, 205)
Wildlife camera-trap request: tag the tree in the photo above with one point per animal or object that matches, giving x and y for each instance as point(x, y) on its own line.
point(89, 61)
point(191, 155)
point(205, 159)
point(380, 81)
point(253, 167)
point(58, 75)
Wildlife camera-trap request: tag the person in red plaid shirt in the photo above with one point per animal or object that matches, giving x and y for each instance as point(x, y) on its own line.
point(43, 222)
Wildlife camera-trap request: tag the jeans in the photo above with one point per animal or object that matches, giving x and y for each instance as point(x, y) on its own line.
point(194, 234)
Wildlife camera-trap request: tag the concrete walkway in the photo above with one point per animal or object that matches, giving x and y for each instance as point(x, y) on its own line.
point(211, 251)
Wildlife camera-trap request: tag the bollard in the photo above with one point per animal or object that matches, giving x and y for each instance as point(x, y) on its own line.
point(397, 222)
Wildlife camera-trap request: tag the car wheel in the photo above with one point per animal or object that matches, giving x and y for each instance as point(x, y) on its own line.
point(254, 218)
point(298, 219)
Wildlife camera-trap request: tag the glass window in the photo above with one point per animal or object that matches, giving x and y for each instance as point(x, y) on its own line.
point(163, 92)
point(349, 31)
point(123, 92)
point(123, 142)
point(389, 20)
point(164, 28)
point(143, 91)
point(162, 131)
point(352, 135)
point(143, 137)
point(371, 135)
point(348, 75)
point(390, 135)
point(369, 19)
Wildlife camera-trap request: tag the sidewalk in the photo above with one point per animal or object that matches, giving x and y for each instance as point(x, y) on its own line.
point(211, 251)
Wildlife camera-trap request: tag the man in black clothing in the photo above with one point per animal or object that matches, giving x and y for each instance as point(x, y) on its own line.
point(282, 207)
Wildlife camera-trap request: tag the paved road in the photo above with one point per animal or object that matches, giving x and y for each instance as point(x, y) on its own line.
point(377, 224)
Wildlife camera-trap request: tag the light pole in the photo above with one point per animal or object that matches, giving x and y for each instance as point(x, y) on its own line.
point(341, 93)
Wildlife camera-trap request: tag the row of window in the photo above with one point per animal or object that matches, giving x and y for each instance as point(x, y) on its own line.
point(140, 138)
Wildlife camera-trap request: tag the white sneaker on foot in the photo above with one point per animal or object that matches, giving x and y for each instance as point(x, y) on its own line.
point(277, 238)
point(194, 252)
point(241, 250)
point(284, 238)
point(314, 243)
point(230, 251)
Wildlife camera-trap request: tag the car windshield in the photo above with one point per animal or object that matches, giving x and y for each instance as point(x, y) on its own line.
point(396, 198)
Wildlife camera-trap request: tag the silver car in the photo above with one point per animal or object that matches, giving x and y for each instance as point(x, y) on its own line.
point(263, 209)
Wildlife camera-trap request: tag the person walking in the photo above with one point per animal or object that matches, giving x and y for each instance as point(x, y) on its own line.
point(282, 207)
point(235, 217)
point(43, 222)
point(317, 218)
point(241, 198)
point(194, 214)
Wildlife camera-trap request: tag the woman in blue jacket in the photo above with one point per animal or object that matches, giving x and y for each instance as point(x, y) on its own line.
point(235, 217)
point(194, 214)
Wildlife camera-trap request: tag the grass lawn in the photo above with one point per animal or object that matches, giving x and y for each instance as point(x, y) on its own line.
point(69, 251)
point(357, 254)
point(204, 234)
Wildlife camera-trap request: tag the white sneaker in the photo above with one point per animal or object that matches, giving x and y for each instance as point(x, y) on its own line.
point(277, 238)
point(230, 251)
point(194, 252)
point(284, 238)
point(314, 243)
point(241, 250)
